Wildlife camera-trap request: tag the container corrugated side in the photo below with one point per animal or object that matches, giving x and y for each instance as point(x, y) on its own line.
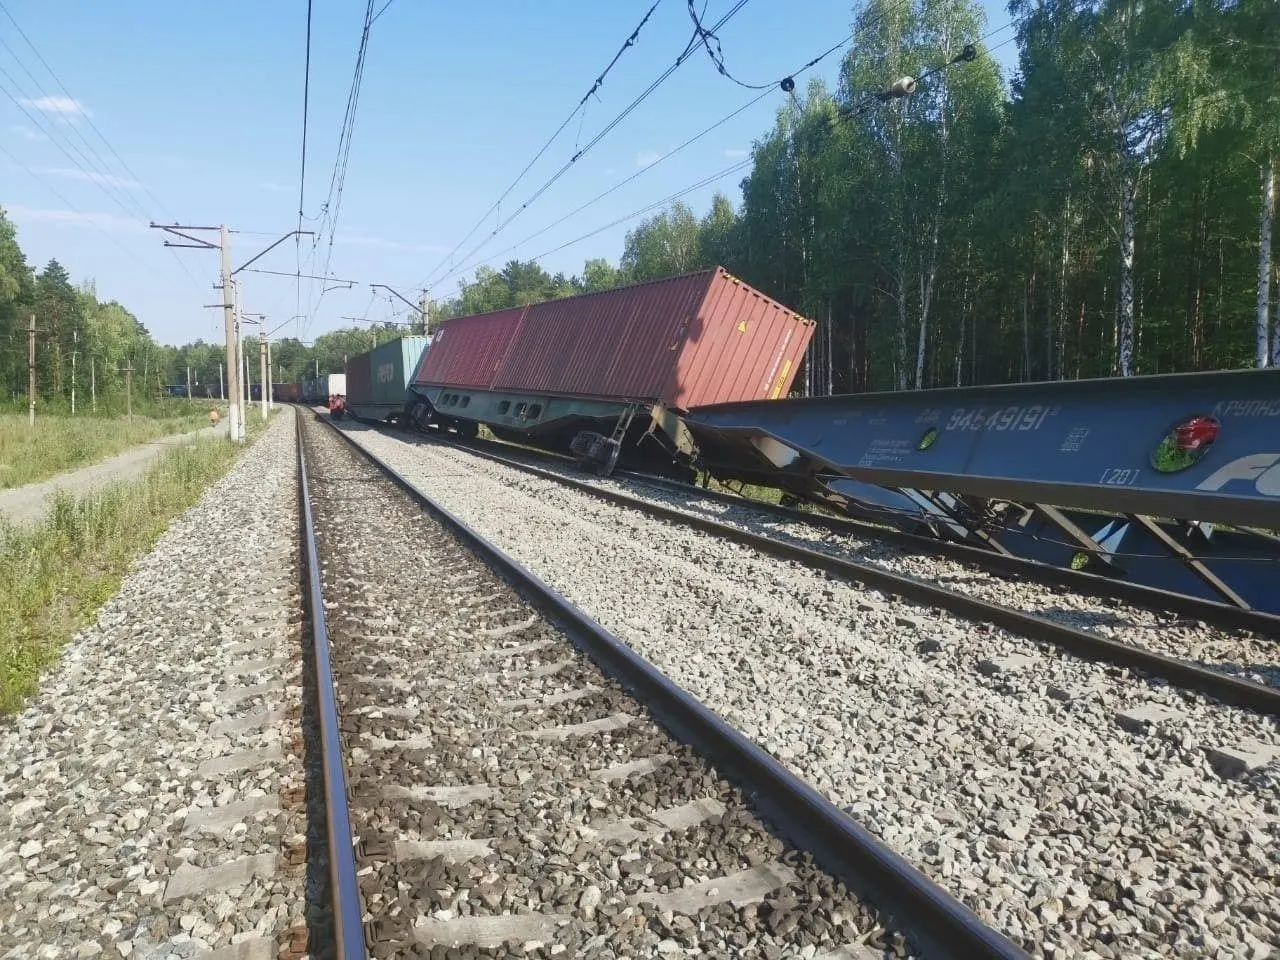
point(360, 378)
point(391, 364)
point(467, 351)
point(620, 343)
point(744, 346)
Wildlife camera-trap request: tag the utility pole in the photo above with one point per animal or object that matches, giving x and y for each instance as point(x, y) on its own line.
point(235, 390)
point(188, 381)
point(222, 391)
point(262, 375)
point(229, 320)
point(93, 381)
point(270, 391)
point(75, 341)
point(31, 371)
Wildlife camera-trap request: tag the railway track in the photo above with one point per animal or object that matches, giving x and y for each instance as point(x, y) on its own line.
point(1240, 666)
point(1016, 776)
point(512, 798)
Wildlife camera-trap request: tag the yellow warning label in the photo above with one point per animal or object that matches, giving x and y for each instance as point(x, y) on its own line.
point(742, 326)
point(780, 380)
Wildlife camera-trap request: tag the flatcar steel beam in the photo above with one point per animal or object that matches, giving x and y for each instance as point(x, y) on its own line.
point(1192, 446)
point(1188, 558)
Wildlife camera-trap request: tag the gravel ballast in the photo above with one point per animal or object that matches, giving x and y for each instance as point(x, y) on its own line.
point(150, 795)
point(1241, 653)
point(507, 796)
point(1070, 804)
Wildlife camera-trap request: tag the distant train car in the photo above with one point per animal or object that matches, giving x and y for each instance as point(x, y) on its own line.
point(376, 381)
point(606, 375)
point(286, 392)
point(318, 390)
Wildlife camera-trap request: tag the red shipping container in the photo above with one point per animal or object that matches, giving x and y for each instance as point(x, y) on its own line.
point(685, 341)
point(467, 351)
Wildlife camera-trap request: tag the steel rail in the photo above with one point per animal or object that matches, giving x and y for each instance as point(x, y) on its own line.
point(1078, 581)
point(1082, 643)
point(941, 923)
point(348, 910)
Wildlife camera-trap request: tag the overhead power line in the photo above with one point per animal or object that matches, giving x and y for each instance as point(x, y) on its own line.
point(599, 81)
point(332, 208)
point(87, 218)
point(302, 175)
point(862, 106)
point(690, 47)
point(104, 168)
point(787, 84)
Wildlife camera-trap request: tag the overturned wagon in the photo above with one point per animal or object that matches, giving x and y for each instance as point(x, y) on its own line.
point(376, 380)
point(606, 375)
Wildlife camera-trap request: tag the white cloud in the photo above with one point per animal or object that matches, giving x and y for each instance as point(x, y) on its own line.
point(26, 133)
point(106, 221)
point(63, 108)
point(274, 187)
point(88, 176)
point(736, 153)
point(362, 240)
point(646, 157)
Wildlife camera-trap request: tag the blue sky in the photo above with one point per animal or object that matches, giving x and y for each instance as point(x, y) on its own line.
point(203, 105)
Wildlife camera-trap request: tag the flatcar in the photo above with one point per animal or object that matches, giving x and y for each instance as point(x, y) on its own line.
point(607, 375)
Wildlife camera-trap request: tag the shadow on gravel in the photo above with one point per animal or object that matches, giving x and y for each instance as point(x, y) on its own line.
point(320, 933)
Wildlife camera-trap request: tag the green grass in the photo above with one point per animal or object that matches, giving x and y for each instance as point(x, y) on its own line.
point(57, 574)
point(61, 442)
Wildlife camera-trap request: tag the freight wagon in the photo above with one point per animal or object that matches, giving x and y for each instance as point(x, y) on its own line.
point(286, 392)
point(607, 375)
point(376, 381)
point(317, 390)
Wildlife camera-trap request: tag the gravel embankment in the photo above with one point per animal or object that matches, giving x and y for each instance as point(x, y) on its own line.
point(149, 795)
point(508, 795)
point(1240, 653)
point(1015, 787)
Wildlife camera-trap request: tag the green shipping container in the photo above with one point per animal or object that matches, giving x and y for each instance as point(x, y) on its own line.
point(376, 380)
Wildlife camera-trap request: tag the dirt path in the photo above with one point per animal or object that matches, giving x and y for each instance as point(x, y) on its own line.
point(28, 504)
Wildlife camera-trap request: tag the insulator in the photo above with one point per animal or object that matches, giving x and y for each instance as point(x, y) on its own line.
point(903, 87)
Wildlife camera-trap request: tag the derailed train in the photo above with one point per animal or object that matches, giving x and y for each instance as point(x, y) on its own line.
point(692, 374)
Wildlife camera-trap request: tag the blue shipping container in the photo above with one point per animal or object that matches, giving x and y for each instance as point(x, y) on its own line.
point(376, 380)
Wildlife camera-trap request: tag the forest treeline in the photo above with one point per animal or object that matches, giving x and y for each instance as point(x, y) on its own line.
point(1106, 212)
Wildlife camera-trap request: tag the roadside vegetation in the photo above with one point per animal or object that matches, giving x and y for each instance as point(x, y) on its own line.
point(57, 574)
point(61, 442)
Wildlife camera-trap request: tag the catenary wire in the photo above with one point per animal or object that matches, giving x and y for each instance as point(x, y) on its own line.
point(814, 61)
point(579, 108)
point(428, 283)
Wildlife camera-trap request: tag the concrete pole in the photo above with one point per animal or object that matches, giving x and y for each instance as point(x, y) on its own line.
point(75, 339)
point(188, 381)
point(271, 400)
point(234, 423)
point(222, 390)
point(93, 382)
point(31, 371)
point(128, 390)
point(262, 375)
